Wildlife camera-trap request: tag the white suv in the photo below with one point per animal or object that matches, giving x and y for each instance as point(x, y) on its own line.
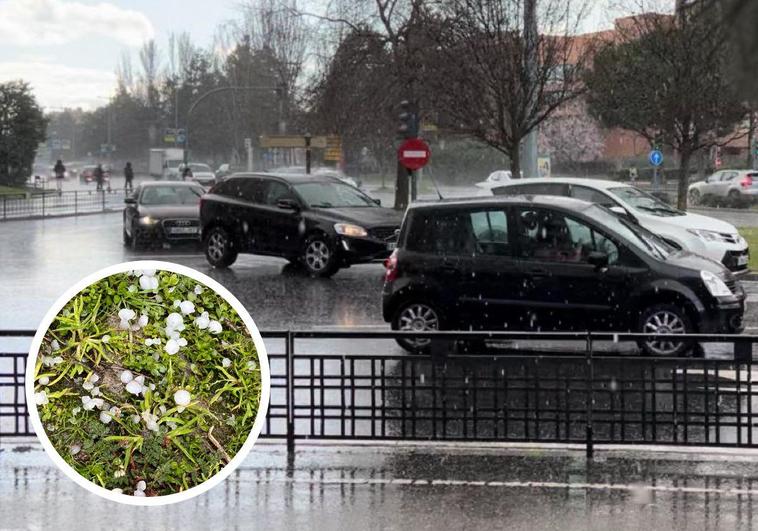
point(736, 186)
point(709, 237)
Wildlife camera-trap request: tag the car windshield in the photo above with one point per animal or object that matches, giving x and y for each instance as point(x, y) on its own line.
point(203, 168)
point(332, 195)
point(636, 235)
point(637, 199)
point(171, 195)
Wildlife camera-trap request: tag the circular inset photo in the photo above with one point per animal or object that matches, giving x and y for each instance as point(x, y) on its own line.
point(150, 381)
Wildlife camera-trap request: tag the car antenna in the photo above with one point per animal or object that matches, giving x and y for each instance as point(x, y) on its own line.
point(434, 182)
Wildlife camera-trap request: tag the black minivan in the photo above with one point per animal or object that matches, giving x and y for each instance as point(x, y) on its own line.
point(551, 264)
point(316, 221)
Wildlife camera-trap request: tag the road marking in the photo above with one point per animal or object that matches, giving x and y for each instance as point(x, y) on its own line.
point(512, 484)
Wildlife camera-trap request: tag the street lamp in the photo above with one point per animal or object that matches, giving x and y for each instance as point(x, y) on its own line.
point(201, 98)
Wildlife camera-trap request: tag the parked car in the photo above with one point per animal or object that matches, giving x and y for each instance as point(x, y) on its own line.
point(316, 221)
point(201, 173)
point(706, 236)
point(737, 187)
point(496, 178)
point(551, 264)
point(162, 212)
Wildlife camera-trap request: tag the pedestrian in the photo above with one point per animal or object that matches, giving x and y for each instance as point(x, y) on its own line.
point(60, 172)
point(128, 177)
point(187, 173)
point(633, 173)
point(99, 175)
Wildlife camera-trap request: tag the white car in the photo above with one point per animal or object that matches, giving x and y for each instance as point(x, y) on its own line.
point(496, 178)
point(736, 186)
point(201, 173)
point(706, 236)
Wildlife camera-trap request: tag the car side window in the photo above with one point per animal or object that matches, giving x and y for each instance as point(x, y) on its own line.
point(593, 196)
point(441, 233)
point(229, 188)
point(730, 176)
point(490, 228)
point(547, 235)
point(716, 177)
point(252, 190)
point(519, 189)
point(275, 191)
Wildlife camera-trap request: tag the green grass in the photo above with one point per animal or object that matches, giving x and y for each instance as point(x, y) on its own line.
point(751, 235)
point(147, 436)
point(19, 190)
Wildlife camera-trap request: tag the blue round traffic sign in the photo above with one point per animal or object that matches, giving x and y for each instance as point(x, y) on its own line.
point(656, 157)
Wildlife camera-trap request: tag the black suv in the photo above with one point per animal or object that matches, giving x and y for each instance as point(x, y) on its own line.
point(551, 264)
point(319, 222)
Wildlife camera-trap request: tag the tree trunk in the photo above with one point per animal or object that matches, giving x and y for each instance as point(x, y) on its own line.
point(515, 156)
point(684, 179)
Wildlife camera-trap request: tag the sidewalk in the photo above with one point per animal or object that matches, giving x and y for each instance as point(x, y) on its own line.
point(414, 487)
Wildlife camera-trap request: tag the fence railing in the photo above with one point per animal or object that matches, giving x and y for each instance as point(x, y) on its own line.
point(50, 204)
point(586, 397)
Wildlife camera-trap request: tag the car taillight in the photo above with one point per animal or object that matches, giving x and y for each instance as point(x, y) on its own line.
point(747, 181)
point(390, 265)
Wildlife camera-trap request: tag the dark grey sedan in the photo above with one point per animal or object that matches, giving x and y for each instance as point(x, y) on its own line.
point(159, 212)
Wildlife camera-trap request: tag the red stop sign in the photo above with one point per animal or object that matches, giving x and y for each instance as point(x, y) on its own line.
point(414, 153)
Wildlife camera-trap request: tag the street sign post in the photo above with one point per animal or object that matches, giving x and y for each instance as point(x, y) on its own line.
point(414, 154)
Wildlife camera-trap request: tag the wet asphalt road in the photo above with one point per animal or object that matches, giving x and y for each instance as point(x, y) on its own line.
point(412, 488)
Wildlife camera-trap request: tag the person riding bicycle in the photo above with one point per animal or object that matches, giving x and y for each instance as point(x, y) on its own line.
point(60, 172)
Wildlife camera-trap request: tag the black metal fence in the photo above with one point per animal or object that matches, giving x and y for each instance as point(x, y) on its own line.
point(588, 397)
point(49, 204)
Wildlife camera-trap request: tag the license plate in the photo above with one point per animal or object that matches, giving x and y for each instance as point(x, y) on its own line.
point(182, 230)
point(391, 246)
point(742, 260)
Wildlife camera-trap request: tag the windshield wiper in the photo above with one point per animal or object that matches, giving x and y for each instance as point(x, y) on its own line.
point(659, 209)
point(322, 205)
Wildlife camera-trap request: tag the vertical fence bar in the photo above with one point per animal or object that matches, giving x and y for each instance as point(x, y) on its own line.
point(590, 378)
point(43, 203)
point(5, 200)
point(76, 202)
point(289, 351)
point(102, 198)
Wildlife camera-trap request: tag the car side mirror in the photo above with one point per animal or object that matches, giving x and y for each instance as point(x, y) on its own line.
point(288, 204)
point(598, 259)
point(378, 202)
point(130, 200)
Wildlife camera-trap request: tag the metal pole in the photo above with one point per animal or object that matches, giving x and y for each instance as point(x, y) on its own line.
point(307, 153)
point(590, 377)
point(290, 354)
point(76, 202)
point(413, 176)
point(530, 38)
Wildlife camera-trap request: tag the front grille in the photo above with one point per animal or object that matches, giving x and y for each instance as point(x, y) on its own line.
point(384, 233)
point(731, 260)
point(169, 223)
point(732, 285)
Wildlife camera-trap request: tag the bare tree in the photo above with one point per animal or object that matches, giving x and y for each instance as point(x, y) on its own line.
point(149, 56)
point(124, 73)
point(664, 77)
point(494, 82)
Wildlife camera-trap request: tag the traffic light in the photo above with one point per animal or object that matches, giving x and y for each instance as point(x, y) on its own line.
point(409, 125)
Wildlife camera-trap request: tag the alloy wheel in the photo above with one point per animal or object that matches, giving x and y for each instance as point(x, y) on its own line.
point(418, 318)
point(317, 255)
point(663, 322)
point(216, 246)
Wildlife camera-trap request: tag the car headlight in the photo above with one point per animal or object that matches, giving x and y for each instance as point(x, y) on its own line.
point(707, 235)
point(147, 220)
point(354, 231)
point(715, 285)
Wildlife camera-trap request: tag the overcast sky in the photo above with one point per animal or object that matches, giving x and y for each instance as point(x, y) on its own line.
point(68, 50)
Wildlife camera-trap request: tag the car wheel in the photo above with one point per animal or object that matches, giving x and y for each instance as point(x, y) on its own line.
point(416, 317)
point(219, 248)
point(134, 242)
point(319, 257)
point(665, 319)
point(694, 197)
point(734, 198)
point(126, 237)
